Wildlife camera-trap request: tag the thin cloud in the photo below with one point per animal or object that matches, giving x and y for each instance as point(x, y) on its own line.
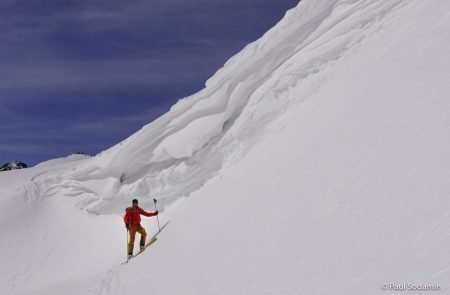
point(70, 70)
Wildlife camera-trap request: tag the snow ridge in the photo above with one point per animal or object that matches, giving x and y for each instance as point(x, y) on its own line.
point(317, 160)
point(177, 153)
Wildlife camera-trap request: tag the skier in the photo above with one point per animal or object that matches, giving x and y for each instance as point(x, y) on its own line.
point(132, 220)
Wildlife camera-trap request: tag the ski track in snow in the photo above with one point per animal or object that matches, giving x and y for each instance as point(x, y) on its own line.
point(112, 284)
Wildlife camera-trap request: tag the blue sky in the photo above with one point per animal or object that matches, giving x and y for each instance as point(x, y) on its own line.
point(84, 75)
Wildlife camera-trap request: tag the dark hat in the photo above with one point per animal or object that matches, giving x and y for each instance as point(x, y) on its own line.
point(135, 201)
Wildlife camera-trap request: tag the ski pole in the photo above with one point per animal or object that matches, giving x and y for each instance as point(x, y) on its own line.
point(157, 216)
point(127, 244)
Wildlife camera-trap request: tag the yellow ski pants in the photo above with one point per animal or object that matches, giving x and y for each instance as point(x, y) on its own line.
point(132, 232)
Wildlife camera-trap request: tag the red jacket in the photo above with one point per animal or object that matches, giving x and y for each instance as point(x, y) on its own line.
point(133, 216)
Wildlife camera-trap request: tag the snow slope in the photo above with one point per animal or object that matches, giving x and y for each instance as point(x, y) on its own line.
point(316, 162)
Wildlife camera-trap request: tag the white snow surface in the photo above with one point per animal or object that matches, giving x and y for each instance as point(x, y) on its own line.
point(316, 161)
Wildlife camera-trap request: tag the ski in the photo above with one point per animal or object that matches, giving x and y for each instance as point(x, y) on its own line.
point(153, 239)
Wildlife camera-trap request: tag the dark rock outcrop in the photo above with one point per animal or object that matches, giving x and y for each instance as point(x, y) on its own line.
point(13, 165)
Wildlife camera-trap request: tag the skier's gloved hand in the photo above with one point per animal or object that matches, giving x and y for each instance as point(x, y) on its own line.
point(156, 212)
point(127, 226)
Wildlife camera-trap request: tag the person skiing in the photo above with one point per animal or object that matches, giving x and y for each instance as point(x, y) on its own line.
point(132, 220)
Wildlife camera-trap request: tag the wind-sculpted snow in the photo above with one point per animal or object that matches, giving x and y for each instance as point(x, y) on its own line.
point(177, 153)
point(317, 161)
